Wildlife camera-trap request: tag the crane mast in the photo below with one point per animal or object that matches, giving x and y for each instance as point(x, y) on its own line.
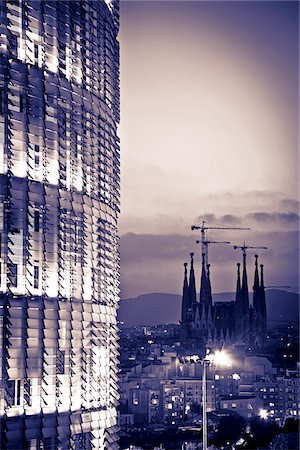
point(245, 247)
point(205, 242)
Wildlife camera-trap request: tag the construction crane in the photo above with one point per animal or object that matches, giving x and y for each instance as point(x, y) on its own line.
point(205, 245)
point(204, 227)
point(245, 247)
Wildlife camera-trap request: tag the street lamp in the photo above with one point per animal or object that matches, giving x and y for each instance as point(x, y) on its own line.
point(219, 358)
point(263, 414)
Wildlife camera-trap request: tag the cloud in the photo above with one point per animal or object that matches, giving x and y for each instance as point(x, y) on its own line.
point(239, 209)
point(276, 218)
point(144, 247)
point(290, 204)
point(227, 219)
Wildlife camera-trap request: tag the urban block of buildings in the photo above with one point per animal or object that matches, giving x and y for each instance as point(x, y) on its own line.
point(166, 388)
point(162, 366)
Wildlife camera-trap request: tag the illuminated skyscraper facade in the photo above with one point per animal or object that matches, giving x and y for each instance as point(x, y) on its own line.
point(59, 192)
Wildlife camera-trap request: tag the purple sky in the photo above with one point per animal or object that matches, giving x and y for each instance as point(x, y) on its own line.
point(209, 131)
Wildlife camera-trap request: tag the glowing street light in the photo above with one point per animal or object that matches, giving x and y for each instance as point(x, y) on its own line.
point(219, 358)
point(263, 414)
point(236, 376)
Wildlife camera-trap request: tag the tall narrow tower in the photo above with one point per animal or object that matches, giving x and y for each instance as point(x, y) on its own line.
point(185, 297)
point(59, 192)
point(263, 306)
point(192, 282)
point(205, 286)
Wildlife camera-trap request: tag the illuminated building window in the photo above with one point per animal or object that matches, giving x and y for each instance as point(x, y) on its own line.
point(36, 54)
point(37, 157)
point(34, 444)
point(12, 274)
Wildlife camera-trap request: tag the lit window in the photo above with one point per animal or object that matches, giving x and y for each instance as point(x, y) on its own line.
point(36, 54)
point(37, 157)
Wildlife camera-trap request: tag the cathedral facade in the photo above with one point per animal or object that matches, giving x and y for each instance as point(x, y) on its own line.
point(224, 323)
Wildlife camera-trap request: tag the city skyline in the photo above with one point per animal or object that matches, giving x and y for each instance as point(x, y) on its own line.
point(209, 132)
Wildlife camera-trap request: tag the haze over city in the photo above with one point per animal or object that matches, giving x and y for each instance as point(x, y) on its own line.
point(209, 131)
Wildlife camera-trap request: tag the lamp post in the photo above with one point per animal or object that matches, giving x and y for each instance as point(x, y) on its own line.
point(220, 357)
point(205, 363)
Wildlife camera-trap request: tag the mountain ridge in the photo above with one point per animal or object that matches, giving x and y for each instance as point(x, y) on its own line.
point(158, 308)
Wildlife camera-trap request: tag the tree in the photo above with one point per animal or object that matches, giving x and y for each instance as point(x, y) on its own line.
point(230, 429)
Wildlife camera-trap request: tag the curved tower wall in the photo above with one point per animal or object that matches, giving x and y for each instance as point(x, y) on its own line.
point(59, 191)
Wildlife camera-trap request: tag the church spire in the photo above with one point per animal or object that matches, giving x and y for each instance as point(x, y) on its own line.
point(263, 299)
point(238, 282)
point(245, 294)
point(256, 280)
point(205, 285)
point(209, 286)
point(256, 288)
point(262, 284)
point(185, 296)
point(192, 283)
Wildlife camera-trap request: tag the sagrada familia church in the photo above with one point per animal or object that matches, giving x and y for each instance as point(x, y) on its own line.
point(224, 323)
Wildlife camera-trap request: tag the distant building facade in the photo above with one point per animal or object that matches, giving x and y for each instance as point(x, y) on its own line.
point(224, 323)
point(152, 397)
point(59, 204)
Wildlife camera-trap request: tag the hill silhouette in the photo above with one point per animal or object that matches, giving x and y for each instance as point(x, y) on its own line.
point(159, 308)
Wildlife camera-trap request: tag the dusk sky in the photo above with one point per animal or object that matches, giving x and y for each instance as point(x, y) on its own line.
point(209, 131)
